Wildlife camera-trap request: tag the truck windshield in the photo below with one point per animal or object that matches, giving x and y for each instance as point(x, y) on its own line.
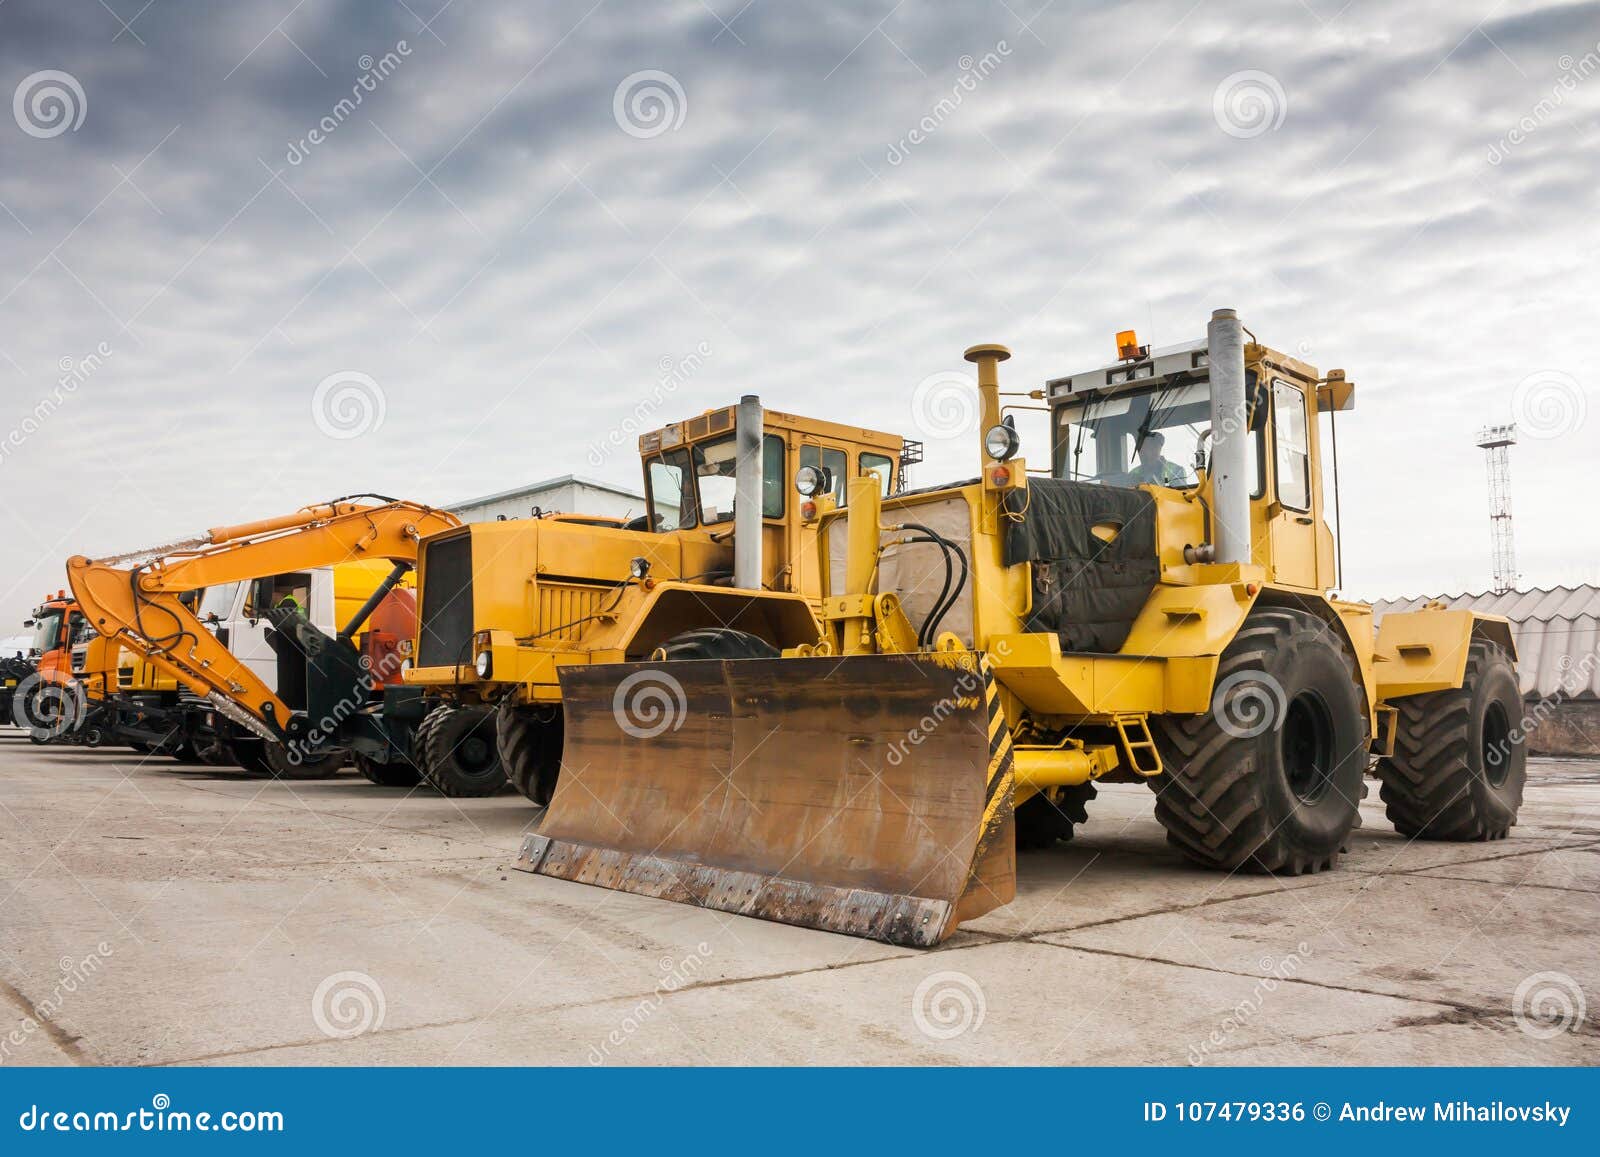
point(47, 631)
point(1149, 436)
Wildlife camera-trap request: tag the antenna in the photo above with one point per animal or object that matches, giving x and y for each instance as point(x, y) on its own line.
point(1495, 441)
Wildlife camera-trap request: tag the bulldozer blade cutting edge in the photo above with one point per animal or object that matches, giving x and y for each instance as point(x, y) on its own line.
point(867, 795)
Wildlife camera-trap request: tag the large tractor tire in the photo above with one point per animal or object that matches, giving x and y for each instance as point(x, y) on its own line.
point(1271, 778)
point(1456, 773)
point(399, 773)
point(530, 748)
point(714, 643)
point(280, 766)
point(461, 752)
point(1052, 817)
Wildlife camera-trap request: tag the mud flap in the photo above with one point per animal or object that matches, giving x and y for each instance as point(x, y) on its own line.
point(869, 795)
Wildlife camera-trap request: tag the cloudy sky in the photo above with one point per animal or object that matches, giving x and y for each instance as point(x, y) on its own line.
point(228, 287)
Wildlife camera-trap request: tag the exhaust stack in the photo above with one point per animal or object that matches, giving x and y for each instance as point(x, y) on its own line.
point(1230, 440)
point(747, 494)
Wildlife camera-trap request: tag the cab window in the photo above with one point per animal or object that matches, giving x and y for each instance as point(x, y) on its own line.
point(276, 591)
point(883, 467)
point(670, 508)
point(1292, 455)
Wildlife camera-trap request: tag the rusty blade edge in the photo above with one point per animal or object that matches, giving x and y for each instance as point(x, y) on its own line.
point(906, 921)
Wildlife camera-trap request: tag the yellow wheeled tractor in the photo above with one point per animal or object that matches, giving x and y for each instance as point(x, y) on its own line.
point(507, 606)
point(1153, 609)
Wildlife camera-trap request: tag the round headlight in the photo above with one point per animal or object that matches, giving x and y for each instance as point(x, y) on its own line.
point(484, 664)
point(812, 480)
point(1001, 443)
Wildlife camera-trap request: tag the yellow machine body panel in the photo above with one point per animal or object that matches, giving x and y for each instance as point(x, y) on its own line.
point(532, 596)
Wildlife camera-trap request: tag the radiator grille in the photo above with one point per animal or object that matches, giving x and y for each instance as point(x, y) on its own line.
point(562, 605)
point(444, 626)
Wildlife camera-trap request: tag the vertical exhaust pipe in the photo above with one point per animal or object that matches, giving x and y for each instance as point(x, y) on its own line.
point(1230, 440)
point(748, 480)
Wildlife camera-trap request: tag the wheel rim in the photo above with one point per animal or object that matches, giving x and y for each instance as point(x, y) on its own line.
point(1496, 744)
point(477, 755)
point(1306, 744)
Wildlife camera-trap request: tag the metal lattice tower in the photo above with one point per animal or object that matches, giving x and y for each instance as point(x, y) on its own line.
point(1496, 441)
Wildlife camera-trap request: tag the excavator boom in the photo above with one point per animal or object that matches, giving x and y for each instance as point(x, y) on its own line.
point(139, 606)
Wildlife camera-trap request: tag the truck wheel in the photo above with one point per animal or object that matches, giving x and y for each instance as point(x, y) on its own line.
point(1051, 816)
point(530, 748)
point(1271, 778)
point(280, 766)
point(399, 773)
point(714, 643)
point(1456, 772)
point(462, 753)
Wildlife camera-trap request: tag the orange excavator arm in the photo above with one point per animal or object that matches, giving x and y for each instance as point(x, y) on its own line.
point(138, 605)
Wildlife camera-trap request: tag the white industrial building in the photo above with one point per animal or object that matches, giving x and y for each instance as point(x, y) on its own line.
point(568, 494)
point(1557, 633)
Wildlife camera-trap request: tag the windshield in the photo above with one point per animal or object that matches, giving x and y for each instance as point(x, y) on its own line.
point(47, 631)
point(217, 602)
point(1151, 436)
point(714, 468)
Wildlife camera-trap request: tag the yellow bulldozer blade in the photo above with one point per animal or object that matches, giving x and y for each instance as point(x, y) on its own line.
point(867, 795)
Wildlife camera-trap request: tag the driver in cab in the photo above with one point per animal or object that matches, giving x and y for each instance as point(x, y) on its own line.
point(1155, 468)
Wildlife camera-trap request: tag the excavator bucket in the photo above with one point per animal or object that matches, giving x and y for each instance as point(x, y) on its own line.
point(866, 795)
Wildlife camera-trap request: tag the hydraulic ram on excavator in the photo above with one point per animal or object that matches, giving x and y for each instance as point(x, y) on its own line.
point(1154, 610)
